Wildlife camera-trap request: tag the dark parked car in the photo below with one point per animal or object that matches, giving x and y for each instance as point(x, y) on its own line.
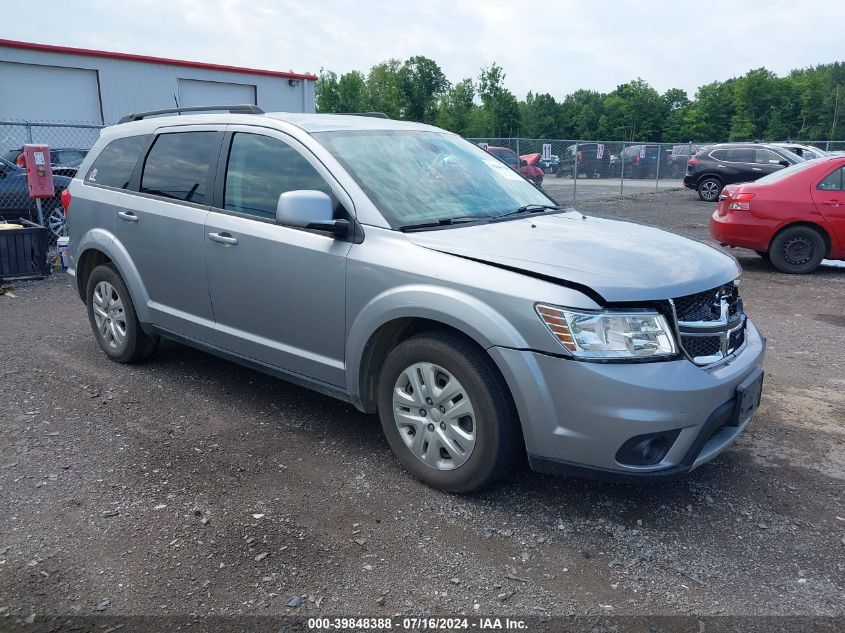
point(676, 160)
point(727, 163)
point(64, 161)
point(641, 161)
point(15, 202)
point(592, 160)
point(550, 165)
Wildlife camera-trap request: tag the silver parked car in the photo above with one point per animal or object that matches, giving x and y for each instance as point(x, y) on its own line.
point(398, 267)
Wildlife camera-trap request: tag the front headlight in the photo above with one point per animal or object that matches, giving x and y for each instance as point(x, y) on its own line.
point(611, 334)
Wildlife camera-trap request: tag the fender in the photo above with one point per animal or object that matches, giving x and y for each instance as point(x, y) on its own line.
point(106, 242)
point(477, 320)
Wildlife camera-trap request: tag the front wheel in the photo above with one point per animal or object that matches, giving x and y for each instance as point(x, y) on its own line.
point(709, 189)
point(447, 413)
point(797, 250)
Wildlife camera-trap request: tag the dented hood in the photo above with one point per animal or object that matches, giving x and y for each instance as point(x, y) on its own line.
point(620, 261)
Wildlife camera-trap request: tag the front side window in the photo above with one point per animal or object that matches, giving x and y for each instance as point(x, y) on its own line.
point(262, 168)
point(115, 164)
point(416, 176)
point(833, 181)
point(766, 157)
point(177, 166)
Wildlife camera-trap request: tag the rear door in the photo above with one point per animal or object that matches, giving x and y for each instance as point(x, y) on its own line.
point(162, 227)
point(736, 164)
point(279, 293)
point(829, 198)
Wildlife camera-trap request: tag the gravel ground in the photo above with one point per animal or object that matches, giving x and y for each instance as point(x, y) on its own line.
point(189, 485)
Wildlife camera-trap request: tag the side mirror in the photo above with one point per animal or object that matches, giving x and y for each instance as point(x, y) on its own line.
point(784, 163)
point(309, 210)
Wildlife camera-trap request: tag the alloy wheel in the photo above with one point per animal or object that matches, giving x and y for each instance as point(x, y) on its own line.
point(709, 190)
point(434, 415)
point(109, 315)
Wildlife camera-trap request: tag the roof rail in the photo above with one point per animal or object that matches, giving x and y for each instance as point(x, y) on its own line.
point(375, 115)
point(234, 109)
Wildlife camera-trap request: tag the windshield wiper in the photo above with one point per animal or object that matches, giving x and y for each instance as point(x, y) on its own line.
point(440, 222)
point(527, 208)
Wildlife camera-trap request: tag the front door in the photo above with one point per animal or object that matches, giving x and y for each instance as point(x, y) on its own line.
point(829, 198)
point(278, 293)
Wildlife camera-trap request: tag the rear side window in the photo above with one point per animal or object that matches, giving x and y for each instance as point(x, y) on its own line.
point(261, 169)
point(115, 164)
point(833, 181)
point(177, 166)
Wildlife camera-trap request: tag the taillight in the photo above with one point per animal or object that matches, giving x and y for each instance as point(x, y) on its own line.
point(580, 157)
point(20, 161)
point(740, 201)
point(65, 197)
point(637, 159)
point(693, 161)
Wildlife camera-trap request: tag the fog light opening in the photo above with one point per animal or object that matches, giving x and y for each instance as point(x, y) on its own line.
point(648, 449)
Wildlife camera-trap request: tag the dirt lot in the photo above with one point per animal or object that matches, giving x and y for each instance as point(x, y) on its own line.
point(189, 485)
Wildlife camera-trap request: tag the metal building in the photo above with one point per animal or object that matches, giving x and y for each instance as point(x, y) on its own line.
point(41, 82)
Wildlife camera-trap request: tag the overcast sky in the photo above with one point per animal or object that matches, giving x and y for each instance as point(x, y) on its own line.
point(554, 46)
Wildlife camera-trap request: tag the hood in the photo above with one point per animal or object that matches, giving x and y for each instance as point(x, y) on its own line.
point(531, 159)
point(620, 261)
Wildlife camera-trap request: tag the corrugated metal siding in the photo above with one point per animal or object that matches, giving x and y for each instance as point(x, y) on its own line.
point(131, 86)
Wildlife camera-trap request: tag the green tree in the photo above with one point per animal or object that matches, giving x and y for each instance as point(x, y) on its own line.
point(498, 102)
point(541, 116)
point(421, 82)
point(352, 93)
point(326, 92)
point(456, 107)
point(383, 86)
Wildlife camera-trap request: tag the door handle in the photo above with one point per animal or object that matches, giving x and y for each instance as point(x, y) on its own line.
point(832, 203)
point(223, 238)
point(756, 169)
point(127, 215)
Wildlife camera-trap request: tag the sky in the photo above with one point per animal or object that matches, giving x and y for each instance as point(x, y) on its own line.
point(554, 46)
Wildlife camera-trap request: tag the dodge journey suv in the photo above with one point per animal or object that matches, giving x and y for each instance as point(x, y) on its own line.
point(402, 269)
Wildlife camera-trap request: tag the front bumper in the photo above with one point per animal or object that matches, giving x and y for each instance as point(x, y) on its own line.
point(576, 415)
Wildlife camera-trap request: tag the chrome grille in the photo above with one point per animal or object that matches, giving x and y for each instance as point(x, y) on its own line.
point(711, 323)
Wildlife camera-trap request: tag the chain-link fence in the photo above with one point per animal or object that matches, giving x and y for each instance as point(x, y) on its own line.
point(570, 170)
point(68, 143)
point(567, 170)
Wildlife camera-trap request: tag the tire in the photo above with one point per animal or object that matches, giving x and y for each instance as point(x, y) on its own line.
point(480, 446)
point(763, 254)
point(113, 320)
point(709, 189)
point(797, 250)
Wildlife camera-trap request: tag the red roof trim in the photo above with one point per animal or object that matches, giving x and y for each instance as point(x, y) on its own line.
point(50, 48)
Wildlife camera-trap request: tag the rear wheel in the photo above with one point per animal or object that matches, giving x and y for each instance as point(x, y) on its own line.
point(446, 412)
point(797, 250)
point(113, 319)
point(709, 189)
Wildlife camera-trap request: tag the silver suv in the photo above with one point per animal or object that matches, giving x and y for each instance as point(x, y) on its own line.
point(404, 270)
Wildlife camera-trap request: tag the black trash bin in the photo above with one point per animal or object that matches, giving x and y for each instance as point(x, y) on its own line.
point(23, 252)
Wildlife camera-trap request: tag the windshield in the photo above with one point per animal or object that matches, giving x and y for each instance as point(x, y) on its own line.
point(418, 176)
point(786, 172)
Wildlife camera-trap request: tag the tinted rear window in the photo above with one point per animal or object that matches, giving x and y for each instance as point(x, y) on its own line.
point(177, 166)
point(116, 162)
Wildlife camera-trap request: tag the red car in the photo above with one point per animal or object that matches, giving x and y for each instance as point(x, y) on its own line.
point(795, 216)
point(525, 165)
